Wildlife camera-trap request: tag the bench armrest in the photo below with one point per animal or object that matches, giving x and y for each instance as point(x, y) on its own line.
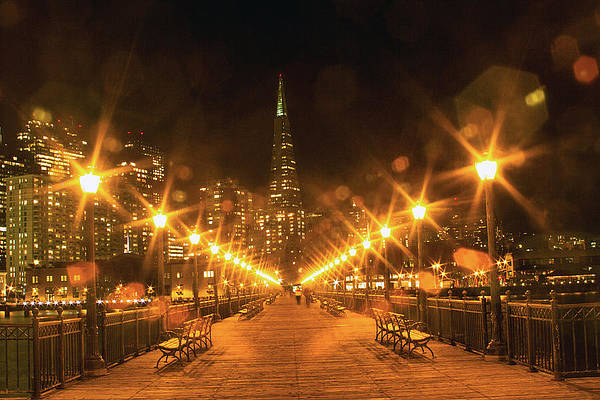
point(166, 335)
point(415, 325)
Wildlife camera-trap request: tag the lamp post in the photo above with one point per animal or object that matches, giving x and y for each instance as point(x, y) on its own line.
point(418, 212)
point(367, 245)
point(486, 170)
point(436, 268)
point(194, 240)
point(94, 364)
point(385, 234)
point(160, 221)
point(214, 249)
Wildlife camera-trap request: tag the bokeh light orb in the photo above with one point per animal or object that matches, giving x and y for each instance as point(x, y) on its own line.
point(400, 164)
point(585, 69)
point(342, 192)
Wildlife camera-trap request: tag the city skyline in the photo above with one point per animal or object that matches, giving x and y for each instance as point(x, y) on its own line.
point(371, 100)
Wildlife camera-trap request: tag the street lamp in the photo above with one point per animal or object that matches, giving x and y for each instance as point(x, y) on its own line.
point(486, 170)
point(160, 221)
point(94, 364)
point(194, 240)
point(418, 212)
point(214, 249)
point(385, 233)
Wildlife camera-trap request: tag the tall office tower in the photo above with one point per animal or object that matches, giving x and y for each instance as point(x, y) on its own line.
point(360, 222)
point(284, 225)
point(153, 160)
point(134, 193)
point(40, 225)
point(9, 166)
point(52, 147)
point(228, 211)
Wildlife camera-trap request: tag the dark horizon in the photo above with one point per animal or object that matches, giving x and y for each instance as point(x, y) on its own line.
point(363, 80)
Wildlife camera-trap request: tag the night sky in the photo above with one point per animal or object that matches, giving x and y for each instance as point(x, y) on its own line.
point(363, 79)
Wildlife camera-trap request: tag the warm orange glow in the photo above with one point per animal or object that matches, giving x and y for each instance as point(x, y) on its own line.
point(160, 220)
point(194, 238)
point(418, 211)
point(385, 232)
point(486, 169)
point(89, 183)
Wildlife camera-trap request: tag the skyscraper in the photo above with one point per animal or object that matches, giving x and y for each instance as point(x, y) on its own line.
point(228, 209)
point(153, 162)
point(52, 146)
point(40, 225)
point(284, 224)
point(9, 166)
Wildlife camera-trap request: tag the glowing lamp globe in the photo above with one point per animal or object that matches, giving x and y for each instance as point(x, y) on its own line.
point(486, 169)
point(194, 238)
point(366, 244)
point(385, 232)
point(344, 257)
point(160, 220)
point(337, 261)
point(352, 252)
point(227, 256)
point(214, 249)
point(89, 183)
point(236, 261)
point(419, 211)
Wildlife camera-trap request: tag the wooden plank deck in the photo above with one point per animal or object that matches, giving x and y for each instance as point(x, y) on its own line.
point(289, 351)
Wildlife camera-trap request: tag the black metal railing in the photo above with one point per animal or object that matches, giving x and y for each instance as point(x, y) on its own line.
point(562, 339)
point(49, 352)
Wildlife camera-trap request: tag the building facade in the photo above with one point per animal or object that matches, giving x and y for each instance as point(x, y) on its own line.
point(284, 220)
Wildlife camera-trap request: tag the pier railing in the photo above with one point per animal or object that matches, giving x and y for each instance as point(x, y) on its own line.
point(562, 339)
point(46, 353)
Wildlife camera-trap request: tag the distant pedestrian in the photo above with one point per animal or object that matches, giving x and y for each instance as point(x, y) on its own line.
point(307, 296)
point(298, 296)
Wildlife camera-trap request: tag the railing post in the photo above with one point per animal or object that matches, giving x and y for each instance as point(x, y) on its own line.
point(102, 328)
point(484, 322)
point(149, 326)
point(137, 333)
point(81, 339)
point(509, 339)
point(439, 316)
point(37, 376)
point(464, 321)
point(452, 342)
point(122, 344)
point(61, 349)
point(556, 339)
point(530, 350)
point(168, 308)
point(424, 305)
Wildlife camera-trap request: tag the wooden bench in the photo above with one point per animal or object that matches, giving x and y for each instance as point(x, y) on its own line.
point(333, 307)
point(175, 343)
point(271, 299)
point(392, 328)
point(200, 336)
point(251, 309)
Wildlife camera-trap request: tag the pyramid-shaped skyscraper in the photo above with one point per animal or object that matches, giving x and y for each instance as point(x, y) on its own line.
point(285, 215)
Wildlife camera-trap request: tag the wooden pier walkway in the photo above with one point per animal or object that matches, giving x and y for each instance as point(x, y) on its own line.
point(289, 351)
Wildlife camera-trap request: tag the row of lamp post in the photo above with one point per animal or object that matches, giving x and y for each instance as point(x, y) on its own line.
point(486, 170)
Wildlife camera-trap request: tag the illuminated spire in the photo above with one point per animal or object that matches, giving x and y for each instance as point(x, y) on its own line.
point(285, 227)
point(281, 105)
